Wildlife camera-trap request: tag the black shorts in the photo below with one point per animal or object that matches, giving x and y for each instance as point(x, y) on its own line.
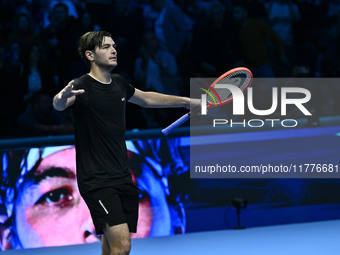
point(114, 206)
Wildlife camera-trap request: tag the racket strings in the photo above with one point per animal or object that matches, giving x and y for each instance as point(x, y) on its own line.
point(220, 95)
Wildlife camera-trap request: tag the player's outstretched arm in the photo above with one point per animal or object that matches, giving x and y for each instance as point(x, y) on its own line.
point(158, 100)
point(66, 97)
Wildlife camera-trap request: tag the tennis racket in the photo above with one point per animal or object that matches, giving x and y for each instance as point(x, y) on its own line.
point(240, 77)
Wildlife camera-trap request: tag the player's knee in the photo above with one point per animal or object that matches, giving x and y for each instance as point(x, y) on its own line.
point(122, 247)
point(126, 246)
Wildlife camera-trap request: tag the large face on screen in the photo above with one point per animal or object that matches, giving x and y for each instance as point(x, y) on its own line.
point(49, 210)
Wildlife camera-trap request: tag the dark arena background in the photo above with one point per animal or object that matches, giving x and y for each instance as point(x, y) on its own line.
point(161, 45)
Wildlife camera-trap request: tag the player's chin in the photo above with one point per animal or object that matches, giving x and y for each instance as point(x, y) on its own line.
point(113, 64)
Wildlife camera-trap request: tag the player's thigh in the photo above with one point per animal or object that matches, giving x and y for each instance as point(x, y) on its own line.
point(117, 236)
point(105, 246)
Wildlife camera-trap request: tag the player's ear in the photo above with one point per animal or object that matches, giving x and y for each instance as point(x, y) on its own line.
point(89, 55)
point(6, 237)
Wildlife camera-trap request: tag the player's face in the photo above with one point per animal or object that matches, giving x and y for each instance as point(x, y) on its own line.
point(106, 55)
point(154, 212)
point(49, 210)
point(154, 215)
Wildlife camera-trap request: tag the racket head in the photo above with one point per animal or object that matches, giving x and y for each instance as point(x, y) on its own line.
point(240, 77)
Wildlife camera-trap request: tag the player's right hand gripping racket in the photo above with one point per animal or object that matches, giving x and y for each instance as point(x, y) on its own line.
point(240, 77)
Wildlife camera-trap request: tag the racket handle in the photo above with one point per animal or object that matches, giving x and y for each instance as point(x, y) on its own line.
point(176, 124)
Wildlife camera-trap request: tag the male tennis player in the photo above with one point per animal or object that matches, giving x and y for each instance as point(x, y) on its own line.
point(98, 102)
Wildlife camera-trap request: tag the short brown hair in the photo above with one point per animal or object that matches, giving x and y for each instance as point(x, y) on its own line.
point(89, 41)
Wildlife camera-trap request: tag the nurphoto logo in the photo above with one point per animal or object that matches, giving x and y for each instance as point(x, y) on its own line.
point(295, 96)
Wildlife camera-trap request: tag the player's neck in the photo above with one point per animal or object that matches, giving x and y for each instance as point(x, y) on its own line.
point(103, 76)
